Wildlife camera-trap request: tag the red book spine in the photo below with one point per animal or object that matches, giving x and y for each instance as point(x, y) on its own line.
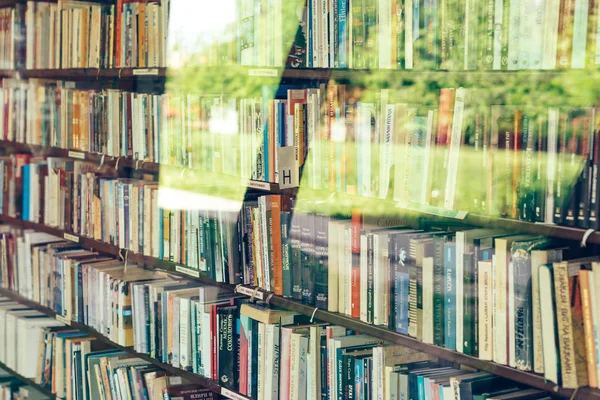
point(355, 243)
point(276, 243)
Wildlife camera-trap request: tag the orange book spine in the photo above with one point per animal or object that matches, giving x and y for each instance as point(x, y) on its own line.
point(276, 243)
point(588, 328)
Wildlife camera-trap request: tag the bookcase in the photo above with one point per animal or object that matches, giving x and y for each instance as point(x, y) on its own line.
point(356, 163)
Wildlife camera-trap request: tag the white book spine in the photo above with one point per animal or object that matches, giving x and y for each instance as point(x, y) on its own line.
point(537, 35)
point(455, 143)
point(550, 33)
point(514, 34)
point(486, 300)
point(333, 271)
point(347, 270)
point(512, 358)
point(428, 300)
point(184, 334)
point(408, 34)
point(595, 300)
point(387, 150)
point(363, 278)
point(580, 24)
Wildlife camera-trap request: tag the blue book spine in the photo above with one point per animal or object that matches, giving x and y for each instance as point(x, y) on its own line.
point(281, 131)
point(421, 388)
point(161, 242)
point(359, 379)
point(165, 324)
point(401, 309)
point(450, 295)
point(26, 191)
point(342, 34)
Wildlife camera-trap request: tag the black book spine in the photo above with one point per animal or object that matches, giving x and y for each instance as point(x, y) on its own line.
point(307, 254)
point(594, 207)
point(321, 248)
point(157, 334)
point(368, 369)
point(370, 282)
point(560, 201)
point(146, 290)
point(227, 346)
point(297, 260)
point(469, 303)
point(323, 369)
point(207, 226)
point(585, 184)
point(392, 273)
point(522, 309)
point(525, 187)
point(80, 291)
point(541, 178)
point(438, 290)
point(348, 376)
point(254, 383)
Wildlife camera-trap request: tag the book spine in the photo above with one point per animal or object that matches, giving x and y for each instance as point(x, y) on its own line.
point(308, 256)
point(286, 255)
point(450, 296)
point(370, 279)
point(522, 309)
point(469, 304)
point(438, 292)
point(321, 261)
point(594, 206)
point(588, 326)
point(355, 243)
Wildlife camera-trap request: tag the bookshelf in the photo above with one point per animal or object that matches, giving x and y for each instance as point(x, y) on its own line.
point(526, 378)
point(158, 80)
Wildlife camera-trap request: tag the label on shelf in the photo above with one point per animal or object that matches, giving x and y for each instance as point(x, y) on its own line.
point(259, 185)
point(145, 71)
point(70, 237)
point(188, 271)
point(77, 154)
point(250, 292)
point(262, 72)
point(232, 395)
point(62, 319)
point(69, 85)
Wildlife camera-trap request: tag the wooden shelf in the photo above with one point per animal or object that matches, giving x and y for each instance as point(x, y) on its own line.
point(526, 378)
point(28, 381)
point(194, 378)
point(74, 74)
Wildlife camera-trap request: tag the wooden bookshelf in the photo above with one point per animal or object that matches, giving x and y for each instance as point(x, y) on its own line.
point(526, 378)
point(28, 381)
point(193, 378)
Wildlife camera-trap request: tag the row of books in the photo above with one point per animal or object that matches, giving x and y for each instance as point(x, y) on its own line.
point(76, 34)
point(112, 122)
point(538, 164)
point(13, 389)
point(389, 277)
point(343, 266)
point(412, 34)
point(249, 348)
point(74, 365)
point(9, 47)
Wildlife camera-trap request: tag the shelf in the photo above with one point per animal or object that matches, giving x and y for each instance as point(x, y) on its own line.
point(193, 378)
point(526, 378)
point(157, 74)
point(28, 381)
